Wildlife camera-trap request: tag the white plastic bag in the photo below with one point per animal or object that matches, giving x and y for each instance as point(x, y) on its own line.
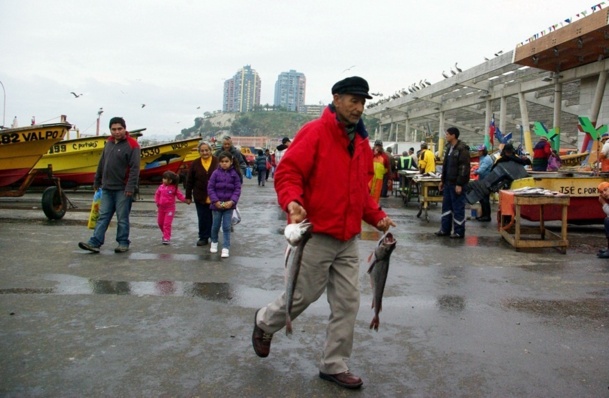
point(236, 219)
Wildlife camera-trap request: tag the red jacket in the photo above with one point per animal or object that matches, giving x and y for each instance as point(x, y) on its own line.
point(318, 172)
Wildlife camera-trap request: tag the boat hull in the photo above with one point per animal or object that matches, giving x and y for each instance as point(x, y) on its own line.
point(584, 207)
point(159, 158)
point(74, 161)
point(21, 148)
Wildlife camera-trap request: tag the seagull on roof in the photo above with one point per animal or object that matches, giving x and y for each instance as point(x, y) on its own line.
point(453, 72)
point(427, 82)
point(498, 53)
point(445, 75)
point(75, 95)
point(457, 68)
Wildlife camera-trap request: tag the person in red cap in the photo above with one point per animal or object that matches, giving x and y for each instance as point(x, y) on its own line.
point(323, 178)
point(541, 152)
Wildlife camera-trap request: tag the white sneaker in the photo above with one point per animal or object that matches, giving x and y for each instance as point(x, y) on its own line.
point(224, 253)
point(213, 248)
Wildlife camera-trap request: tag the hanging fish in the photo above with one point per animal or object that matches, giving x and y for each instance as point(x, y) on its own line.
point(378, 270)
point(297, 236)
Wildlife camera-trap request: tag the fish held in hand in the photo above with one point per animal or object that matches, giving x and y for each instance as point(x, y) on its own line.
point(297, 236)
point(378, 270)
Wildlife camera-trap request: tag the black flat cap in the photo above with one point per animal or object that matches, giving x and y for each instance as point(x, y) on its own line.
point(354, 85)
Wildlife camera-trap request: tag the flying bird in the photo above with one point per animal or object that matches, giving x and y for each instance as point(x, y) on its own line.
point(143, 105)
point(457, 68)
point(445, 75)
point(198, 107)
point(377, 94)
point(75, 95)
point(349, 68)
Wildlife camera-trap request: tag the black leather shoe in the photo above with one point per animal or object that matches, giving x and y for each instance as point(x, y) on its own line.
point(603, 250)
point(345, 379)
point(603, 254)
point(441, 233)
point(456, 236)
point(202, 242)
point(261, 340)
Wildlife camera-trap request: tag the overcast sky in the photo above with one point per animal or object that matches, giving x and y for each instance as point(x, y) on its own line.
point(173, 56)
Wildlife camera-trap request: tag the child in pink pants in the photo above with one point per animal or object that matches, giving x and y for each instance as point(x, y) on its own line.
point(165, 199)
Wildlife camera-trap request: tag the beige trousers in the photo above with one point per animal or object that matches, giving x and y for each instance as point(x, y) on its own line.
point(330, 265)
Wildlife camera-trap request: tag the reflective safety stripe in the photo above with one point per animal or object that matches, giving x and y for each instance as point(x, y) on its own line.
point(459, 222)
point(448, 213)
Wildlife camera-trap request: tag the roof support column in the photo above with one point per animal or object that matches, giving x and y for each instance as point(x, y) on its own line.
point(441, 132)
point(487, 123)
point(526, 128)
point(502, 115)
point(406, 129)
point(557, 110)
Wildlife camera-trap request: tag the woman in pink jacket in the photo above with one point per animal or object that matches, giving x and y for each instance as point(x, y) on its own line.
point(165, 199)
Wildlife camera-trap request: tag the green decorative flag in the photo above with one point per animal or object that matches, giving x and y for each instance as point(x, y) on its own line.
point(551, 135)
point(487, 143)
point(589, 128)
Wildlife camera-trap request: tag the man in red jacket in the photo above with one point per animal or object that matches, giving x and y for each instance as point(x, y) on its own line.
point(324, 178)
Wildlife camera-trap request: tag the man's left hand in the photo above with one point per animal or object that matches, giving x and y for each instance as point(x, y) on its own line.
point(458, 189)
point(385, 223)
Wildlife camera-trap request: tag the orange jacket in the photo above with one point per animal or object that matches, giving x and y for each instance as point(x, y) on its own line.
point(318, 172)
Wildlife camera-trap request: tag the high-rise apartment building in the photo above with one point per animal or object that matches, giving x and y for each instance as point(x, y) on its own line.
point(242, 92)
point(290, 91)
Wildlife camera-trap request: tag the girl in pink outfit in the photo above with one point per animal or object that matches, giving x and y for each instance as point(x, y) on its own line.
point(165, 199)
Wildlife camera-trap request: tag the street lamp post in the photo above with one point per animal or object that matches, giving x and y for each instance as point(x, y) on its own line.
point(4, 105)
point(99, 113)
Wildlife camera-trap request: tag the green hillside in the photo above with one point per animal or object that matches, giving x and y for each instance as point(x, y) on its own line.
point(273, 124)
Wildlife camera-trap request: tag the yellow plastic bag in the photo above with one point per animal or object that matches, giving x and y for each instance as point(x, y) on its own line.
point(95, 209)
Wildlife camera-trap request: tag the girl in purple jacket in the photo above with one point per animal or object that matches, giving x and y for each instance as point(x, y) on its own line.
point(165, 199)
point(224, 189)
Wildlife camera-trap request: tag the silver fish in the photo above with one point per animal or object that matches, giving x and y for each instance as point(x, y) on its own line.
point(378, 270)
point(297, 236)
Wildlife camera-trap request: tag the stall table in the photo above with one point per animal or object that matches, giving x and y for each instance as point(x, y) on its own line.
point(429, 192)
point(509, 220)
point(408, 187)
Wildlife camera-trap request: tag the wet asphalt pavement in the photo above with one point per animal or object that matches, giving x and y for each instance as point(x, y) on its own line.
point(467, 318)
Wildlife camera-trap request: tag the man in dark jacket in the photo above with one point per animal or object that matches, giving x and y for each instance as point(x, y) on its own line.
point(227, 146)
point(117, 174)
point(455, 176)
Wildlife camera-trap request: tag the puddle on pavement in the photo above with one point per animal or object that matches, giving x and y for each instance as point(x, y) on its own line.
point(68, 285)
point(592, 308)
point(165, 256)
point(451, 303)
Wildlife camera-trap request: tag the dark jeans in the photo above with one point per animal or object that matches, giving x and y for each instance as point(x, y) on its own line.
point(113, 202)
point(261, 176)
point(385, 182)
point(453, 210)
point(485, 204)
point(205, 220)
